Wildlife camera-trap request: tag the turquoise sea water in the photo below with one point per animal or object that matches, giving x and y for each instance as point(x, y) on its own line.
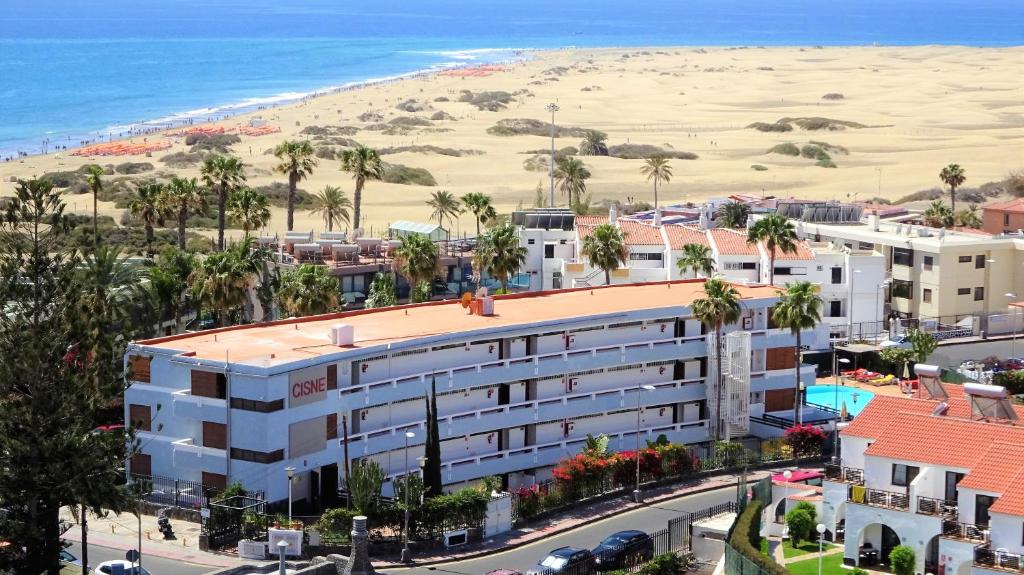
point(835, 395)
point(73, 69)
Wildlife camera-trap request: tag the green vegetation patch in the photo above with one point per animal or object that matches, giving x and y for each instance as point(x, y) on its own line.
point(329, 131)
point(184, 159)
point(217, 143)
point(400, 174)
point(767, 127)
point(133, 168)
point(805, 547)
point(786, 149)
point(277, 194)
point(642, 151)
point(819, 123)
point(489, 101)
point(531, 127)
point(830, 565)
point(429, 149)
point(759, 168)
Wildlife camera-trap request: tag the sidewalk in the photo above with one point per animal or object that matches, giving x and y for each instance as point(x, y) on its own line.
point(568, 520)
point(121, 532)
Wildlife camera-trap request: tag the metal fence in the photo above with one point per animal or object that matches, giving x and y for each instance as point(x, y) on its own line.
point(736, 563)
point(180, 493)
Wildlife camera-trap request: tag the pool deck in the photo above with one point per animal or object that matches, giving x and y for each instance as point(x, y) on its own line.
point(877, 390)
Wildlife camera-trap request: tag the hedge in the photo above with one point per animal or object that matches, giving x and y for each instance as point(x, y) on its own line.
point(746, 538)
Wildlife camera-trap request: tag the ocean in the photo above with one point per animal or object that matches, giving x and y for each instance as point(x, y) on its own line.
point(72, 70)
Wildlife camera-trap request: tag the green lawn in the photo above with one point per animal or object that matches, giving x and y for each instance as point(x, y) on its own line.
point(804, 548)
point(830, 565)
point(764, 547)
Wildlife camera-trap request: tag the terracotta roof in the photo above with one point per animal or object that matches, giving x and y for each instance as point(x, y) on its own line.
point(638, 234)
point(732, 243)
point(799, 486)
point(1011, 501)
point(679, 236)
point(996, 468)
point(802, 253)
point(941, 440)
point(879, 413)
point(583, 231)
point(591, 220)
point(1015, 205)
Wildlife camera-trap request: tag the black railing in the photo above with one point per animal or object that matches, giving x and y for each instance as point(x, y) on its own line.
point(179, 493)
point(936, 507)
point(880, 498)
point(995, 559)
point(845, 474)
point(965, 531)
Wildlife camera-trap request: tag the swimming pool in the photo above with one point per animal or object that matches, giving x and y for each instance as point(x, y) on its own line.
point(834, 395)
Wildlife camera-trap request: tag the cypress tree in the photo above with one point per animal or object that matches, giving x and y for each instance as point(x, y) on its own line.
point(432, 482)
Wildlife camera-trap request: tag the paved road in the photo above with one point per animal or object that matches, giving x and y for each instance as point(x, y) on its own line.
point(155, 565)
point(649, 518)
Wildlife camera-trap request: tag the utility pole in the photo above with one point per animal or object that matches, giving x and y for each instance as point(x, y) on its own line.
point(552, 107)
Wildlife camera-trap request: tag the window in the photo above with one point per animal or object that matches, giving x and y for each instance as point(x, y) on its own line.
point(866, 246)
point(741, 266)
point(903, 256)
point(351, 284)
point(964, 259)
point(963, 291)
point(981, 505)
point(979, 294)
point(928, 260)
point(549, 251)
point(979, 262)
point(903, 475)
point(1006, 219)
point(652, 256)
point(835, 308)
point(837, 275)
point(531, 241)
point(790, 271)
point(926, 296)
point(902, 289)
point(952, 478)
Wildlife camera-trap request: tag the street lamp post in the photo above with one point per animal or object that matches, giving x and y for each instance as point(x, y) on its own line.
point(1013, 319)
point(552, 107)
point(821, 543)
point(852, 296)
point(878, 292)
point(282, 545)
point(406, 554)
point(787, 475)
point(985, 303)
point(836, 360)
point(639, 388)
point(291, 474)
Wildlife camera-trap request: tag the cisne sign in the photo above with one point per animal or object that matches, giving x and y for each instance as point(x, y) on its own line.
point(307, 385)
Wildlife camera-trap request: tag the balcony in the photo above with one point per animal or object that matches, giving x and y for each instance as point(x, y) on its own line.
point(951, 529)
point(879, 498)
point(844, 474)
point(187, 455)
point(988, 558)
point(936, 507)
point(198, 408)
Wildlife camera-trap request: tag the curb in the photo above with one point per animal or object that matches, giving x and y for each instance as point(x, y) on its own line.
point(547, 535)
point(192, 556)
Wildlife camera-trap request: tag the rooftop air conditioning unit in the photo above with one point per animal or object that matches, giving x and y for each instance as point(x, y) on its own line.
point(343, 334)
point(456, 538)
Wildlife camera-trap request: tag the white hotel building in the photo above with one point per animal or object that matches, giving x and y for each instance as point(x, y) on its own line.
point(517, 390)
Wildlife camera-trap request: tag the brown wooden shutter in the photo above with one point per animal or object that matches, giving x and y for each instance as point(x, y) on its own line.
point(215, 435)
point(779, 399)
point(139, 366)
point(332, 426)
point(140, 417)
point(141, 464)
point(215, 480)
point(779, 358)
point(204, 383)
point(332, 376)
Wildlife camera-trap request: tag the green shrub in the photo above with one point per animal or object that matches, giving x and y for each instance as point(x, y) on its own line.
point(336, 523)
point(786, 149)
point(218, 143)
point(902, 559)
point(811, 511)
point(133, 167)
point(825, 164)
point(277, 194)
point(800, 526)
point(464, 508)
point(759, 168)
point(399, 174)
point(644, 151)
point(766, 127)
point(665, 564)
point(746, 539)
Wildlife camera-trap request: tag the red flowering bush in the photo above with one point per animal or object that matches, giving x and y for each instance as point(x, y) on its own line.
point(582, 468)
point(623, 466)
point(529, 500)
point(805, 440)
point(676, 459)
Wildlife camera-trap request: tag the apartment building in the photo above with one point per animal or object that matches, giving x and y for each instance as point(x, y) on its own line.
point(943, 474)
point(517, 389)
point(1003, 217)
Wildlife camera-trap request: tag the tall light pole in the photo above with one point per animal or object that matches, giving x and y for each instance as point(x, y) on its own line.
point(1013, 319)
point(878, 291)
point(853, 274)
point(988, 298)
point(406, 554)
point(291, 474)
point(835, 370)
point(787, 475)
point(821, 543)
point(552, 107)
point(639, 388)
point(282, 546)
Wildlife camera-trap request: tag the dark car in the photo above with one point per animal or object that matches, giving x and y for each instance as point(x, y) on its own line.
point(565, 561)
point(623, 549)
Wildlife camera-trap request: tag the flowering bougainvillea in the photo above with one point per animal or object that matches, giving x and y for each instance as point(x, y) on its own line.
point(805, 440)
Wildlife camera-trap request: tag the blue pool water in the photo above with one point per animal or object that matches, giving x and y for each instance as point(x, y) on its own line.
point(834, 395)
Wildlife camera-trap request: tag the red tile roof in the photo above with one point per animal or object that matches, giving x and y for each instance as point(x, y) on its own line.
point(942, 440)
point(802, 253)
point(591, 220)
point(879, 413)
point(996, 468)
point(679, 236)
point(1015, 205)
point(732, 243)
point(584, 231)
point(1011, 501)
point(638, 234)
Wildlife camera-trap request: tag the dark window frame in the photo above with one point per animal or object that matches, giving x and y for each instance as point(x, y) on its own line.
point(979, 262)
point(979, 294)
point(903, 256)
point(910, 473)
point(964, 259)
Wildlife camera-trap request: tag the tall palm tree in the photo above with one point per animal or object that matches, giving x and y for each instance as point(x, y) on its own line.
point(733, 215)
point(364, 164)
point(594, 144)
point(167, 291)
point(182, 198)
point(112, 287)
point(445, 206)
point(480, 205)
point(145, 207)
point(500, 255)
point(309, 290)
point(657, 170)
point(94, 178)
point(719, 307)
point(251, 209)
point(297, 162)
point(799, 308)
point(605, 248)
point(696, 257)
point(572, 176)
point(938, 215)
point(222, 174)
point(953, 176)
point(416, 259)
point(221, 283)
point(333, 205)
point(776, 231)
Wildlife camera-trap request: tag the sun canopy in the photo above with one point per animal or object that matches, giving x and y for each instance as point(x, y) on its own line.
point(403, 228)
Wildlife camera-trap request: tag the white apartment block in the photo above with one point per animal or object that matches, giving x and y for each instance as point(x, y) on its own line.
point(517, 390)
point(943, 475)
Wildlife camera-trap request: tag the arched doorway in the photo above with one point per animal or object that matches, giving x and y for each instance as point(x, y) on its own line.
point(931, 555)
point(875, 543)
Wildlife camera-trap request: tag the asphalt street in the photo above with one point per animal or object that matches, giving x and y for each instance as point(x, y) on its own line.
point(649, 518)
point(155, 565)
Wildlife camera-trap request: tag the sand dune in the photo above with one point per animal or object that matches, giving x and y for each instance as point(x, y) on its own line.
point(925, 107)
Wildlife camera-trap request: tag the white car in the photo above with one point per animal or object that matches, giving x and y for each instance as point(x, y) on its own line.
point(901, 342)
point(119, 567)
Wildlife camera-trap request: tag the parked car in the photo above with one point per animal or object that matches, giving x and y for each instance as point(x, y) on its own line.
point(66, 558)
point(623, 549)
point(1013, 363)
point(565, 561)
point(901, 342)
point(119, 566)
point(504, 572)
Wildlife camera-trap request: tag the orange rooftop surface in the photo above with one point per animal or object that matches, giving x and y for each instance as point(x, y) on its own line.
point(285, 341)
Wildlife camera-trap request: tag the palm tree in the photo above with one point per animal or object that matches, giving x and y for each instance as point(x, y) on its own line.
point(221, 283)
point(571, 176)
point(445, 206)
point(364, 164)
point(500, 255)
point(416, 259)
point(480, 205)
point(182, 198)
point(167, 291)
point(657, 170)
point(719, 307)
point(594, 144)
point(309, 290)
point(145, 207)
point(333, 205)
point(251, 209)
point(297, 162)
point(969, 218)
point(799, 308)
point(382, 291)
point(222, 174)
point(938, 215)
point(112, 287)
point(94, 178)
point(696, 257)
point(776, 231)
point(953, 176)
point(733, 215)
point(605, 248)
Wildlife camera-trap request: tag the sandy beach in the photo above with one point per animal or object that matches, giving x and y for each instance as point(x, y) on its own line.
point(909, 111)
